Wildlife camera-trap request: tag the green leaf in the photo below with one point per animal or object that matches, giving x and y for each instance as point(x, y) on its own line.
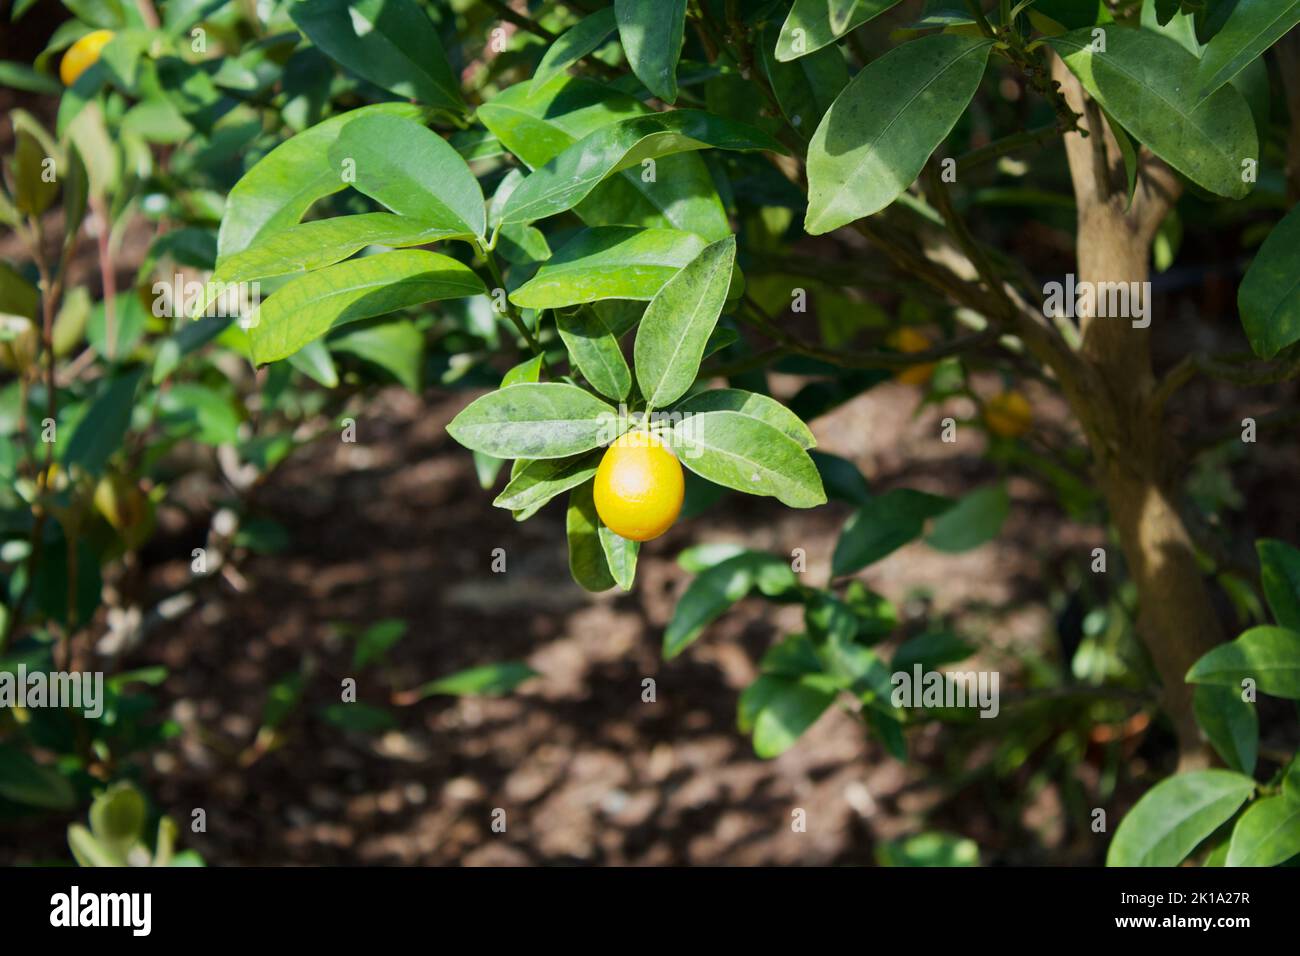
point(1267, 834)
point(1230, 723)
point(87, 851)
point(117, 818)
point(931, 650)
point(358, 717)
point(396, 347)
point(489, 680)
point(780, 709)
point(620, 557)
point(377, 640)
point(1291, 780)
point(537, 482)
point(651, 33)
point(33, 191)
point(390, 43)
point(323, 242)
point(542, 420)
point(540, 126)
point(586, 35)
point(529, 370)
point(1269, 295)
point(753, 405)
point(841, 477)
point(879, 132)
point(314, 361)
point(1251, 28)
point(101, 430)
point(129, 318)
point(882, 526)
point(593, 347)
point(22, 780)
point(806, 87)
point(1280, 574)
point(413, 171)
point(749, 455)
point(626, 145)
point(973, 520)
point(715, 590)
point(608, 262)
point(929, 849)
point(285, 183)
point(587, 562)
point(794, 656)
point(1175, 815)
point(1148, 83)
point(20, 76)
point(671, 338)
point(1270, 656)
point(309, 306)
point(808, 26)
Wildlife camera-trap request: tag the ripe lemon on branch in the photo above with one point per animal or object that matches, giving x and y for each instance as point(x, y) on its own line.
point(82, 55)
point(639, 487)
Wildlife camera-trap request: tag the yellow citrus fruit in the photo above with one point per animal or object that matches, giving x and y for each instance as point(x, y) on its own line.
point(909, 340)
point(1008, 414)
point(639, 487)
point(82, 55)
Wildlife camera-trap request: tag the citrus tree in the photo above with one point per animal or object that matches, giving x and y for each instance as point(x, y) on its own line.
point(614, 221)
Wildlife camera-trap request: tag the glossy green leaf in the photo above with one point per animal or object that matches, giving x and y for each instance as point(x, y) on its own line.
point(749, 455)
point(1251, 28)
point(879, 132)
point(625, 145)
point(314, 361)
point(651, 32)
point(808, 26)
point(323, 242)
point(284, 184)
point(488, 680)
point(713, 591)
point(593, 347)
point(678, 321)
point(1279, 573)
point(540, 126)
point(309, 306)
point(587, 563)
point(1269, 295)
point(780, 709)
point(620, 557)
point(1230, 723)
point(882, 526)
point(754, 405)
point(129, 318)
point(841, 478)
point(34, 188)
point(806, 87)
point(973, 520)
point(1270, 656)
point(535, 420)
point(390, 43)
point(537, 482)
point(608, 262)
point(1147, 82)
point(1267, 834)
point(573, 44)
point(1175, 815)
point(411, 170)
point(931, 650)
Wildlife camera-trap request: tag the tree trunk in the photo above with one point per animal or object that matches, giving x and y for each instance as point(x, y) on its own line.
point(1137, 465)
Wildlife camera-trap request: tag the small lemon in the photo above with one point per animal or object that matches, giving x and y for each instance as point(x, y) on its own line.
point(82, 55)
point(1008, 414)
point(639, 487)
point(909, 340)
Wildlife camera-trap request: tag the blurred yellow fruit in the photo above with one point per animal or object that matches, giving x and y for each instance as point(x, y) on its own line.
point(1008, 414)
point(639, 487)
point(909, 340)
point(82, 55)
